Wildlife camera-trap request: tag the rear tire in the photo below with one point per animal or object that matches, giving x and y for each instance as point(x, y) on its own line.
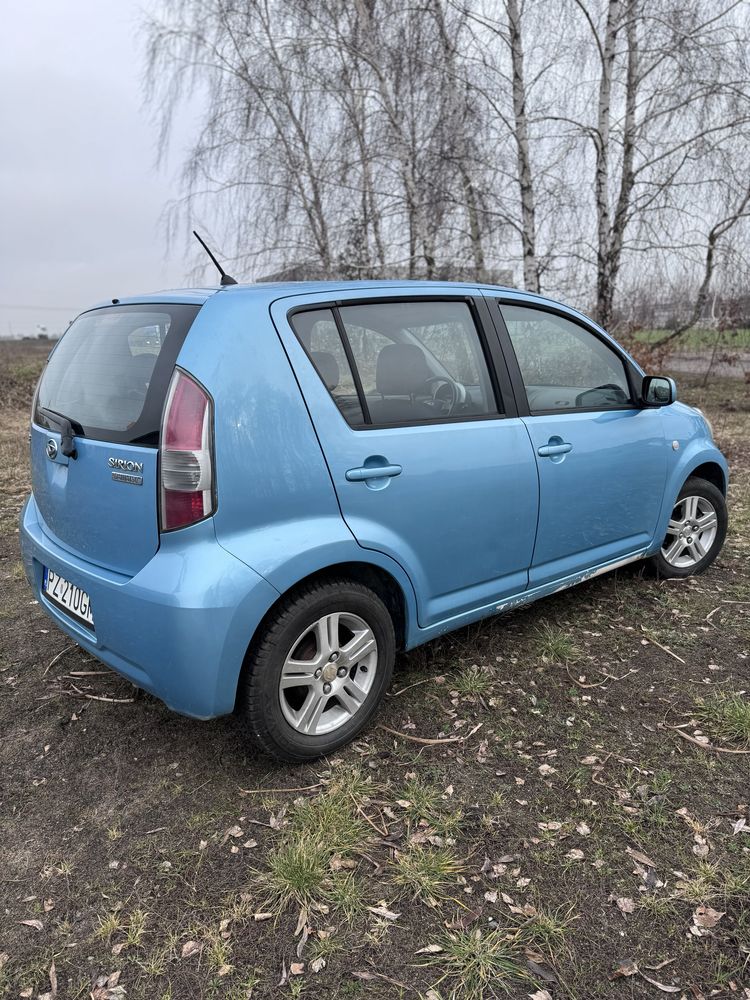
point(698, 527)
point(318, 671)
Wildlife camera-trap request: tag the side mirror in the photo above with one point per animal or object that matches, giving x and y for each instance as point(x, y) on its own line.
point(658, 390)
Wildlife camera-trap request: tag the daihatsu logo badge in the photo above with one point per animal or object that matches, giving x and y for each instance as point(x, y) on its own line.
point(128, 471)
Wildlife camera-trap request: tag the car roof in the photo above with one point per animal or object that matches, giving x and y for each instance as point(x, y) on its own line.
point(272, 290)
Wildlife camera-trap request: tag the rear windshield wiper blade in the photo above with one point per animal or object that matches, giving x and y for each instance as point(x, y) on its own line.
point(66, 426)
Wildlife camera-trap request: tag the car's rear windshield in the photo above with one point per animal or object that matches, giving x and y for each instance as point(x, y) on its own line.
point(110, 372)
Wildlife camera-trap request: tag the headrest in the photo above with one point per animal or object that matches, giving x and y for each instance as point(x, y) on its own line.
point(328, 368)
point(402, 370)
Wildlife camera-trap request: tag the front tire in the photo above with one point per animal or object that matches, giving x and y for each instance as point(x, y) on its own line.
point(318, 671)
point(696, 532)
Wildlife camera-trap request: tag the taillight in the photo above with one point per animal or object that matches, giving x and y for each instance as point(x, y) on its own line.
point(187, 493)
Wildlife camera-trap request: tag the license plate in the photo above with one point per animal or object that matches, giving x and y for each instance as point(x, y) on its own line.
point(65, 594)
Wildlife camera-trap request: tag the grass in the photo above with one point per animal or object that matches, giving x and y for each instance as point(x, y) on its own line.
point(345, 893)
point(296, 872)
point(322, 830)
point(472, 681)
point(726, 718)
point(475, 965)
point(427, 873)
point(555, 645)
point(548, 930)
point(420, 800)
point(110, 924)
point(711, 880)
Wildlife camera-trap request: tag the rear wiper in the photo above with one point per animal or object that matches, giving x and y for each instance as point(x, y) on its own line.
point(65, 426)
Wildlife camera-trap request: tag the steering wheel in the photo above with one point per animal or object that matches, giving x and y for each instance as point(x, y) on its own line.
point(620, 395)
point(446, 402)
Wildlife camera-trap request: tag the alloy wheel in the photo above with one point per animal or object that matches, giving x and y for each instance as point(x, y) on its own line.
point(328, 673)
point(691, 532)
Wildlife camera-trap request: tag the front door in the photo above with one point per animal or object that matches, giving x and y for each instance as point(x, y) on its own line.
point(427, 465)
point(601, 458)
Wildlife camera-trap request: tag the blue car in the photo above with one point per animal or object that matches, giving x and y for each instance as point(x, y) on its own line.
point(248, 498)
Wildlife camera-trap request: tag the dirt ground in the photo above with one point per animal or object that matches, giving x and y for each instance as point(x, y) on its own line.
point(579, 828)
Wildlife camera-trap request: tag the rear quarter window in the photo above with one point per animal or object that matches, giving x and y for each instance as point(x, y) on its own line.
point(110, 372)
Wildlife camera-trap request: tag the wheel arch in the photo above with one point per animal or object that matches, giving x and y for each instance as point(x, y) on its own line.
point(370, 575)
point(712, 472)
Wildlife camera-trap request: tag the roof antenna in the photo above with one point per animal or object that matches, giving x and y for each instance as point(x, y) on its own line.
point(226, 279)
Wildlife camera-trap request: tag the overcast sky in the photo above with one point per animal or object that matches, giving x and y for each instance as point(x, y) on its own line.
point(80, 197)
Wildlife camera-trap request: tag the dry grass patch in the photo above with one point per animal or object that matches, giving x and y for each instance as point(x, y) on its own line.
point(427, 873)
point(476, 965)
point(726, 718)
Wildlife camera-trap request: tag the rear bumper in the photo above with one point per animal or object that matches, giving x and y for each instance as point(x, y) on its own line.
point(179, 628)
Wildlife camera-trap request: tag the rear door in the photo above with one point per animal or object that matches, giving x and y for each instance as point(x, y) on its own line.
point(602, 458)
point(108, 376)
point(430, 464)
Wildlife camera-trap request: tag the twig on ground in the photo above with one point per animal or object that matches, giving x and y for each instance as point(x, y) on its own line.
point(59, 656)
point(98, 697)
point(607, 678)
point(711, 614)
point(705, 746)
point(421, 739)
point(395, 694)
point(366, 818)
point(276, 791)
point(655, 642)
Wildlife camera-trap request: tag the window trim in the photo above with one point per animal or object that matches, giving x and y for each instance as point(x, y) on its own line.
point(499, 375)
point(519, 387)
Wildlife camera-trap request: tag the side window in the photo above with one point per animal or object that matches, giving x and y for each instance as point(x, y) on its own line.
point(419, 361)
point(317, 331)
point(563, 365)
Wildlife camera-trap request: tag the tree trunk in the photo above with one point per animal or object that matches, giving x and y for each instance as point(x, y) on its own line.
point(604, 277)
point(523, 158)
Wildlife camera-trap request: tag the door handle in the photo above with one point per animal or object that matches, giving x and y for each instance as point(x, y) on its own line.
point(549, 450)
point(365, 472)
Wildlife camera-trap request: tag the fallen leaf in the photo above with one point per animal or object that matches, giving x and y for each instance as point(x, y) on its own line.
point(48, 905)
point(117, 948)
point(540, 995)
point(4, 957)
point(224, 970)
point(700, 847)
point(258, 917)
point(382, 911)
point(584, 829)
point(36, 924)
point(661, 986)
point(430, 949)
point(297, 968)
point(706, 916)
point(625, 967)
point(575, 855)
point(546, 770)
point(317, 964)
point(643, 859)
point(625, 904)
point(301, 921)
point(191, 948)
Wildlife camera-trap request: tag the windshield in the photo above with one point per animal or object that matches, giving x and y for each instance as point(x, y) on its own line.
point(110, 371)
